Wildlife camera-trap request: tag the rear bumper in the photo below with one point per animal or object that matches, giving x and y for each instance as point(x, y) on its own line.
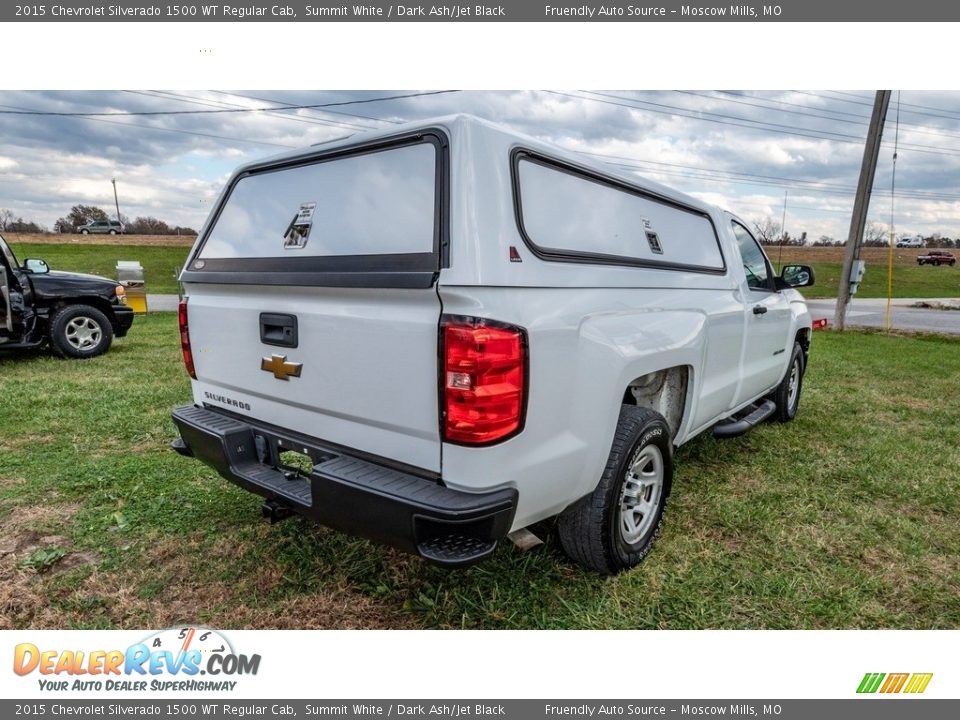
point(122, 320)
point(348, 493)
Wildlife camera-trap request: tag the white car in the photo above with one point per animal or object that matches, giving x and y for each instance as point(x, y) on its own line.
point(438, 334)
point(910, 242)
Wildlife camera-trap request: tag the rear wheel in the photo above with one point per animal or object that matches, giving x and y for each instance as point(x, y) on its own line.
point(614, 527)
point(80, 331)
point(787, 394)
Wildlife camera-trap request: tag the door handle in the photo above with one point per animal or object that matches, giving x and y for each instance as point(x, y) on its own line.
point(759, 309)
point(277, 329)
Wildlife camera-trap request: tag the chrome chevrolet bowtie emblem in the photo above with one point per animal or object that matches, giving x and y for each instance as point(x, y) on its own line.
point(281, 369)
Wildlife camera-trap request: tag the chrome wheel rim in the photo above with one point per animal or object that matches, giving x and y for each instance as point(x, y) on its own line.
point(83, 332)
point(793, 389)
point(640, 496)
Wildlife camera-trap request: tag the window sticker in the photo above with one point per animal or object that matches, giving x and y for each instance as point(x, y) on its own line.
point(295, 238)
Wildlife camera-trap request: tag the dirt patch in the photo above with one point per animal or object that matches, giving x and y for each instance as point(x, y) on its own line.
point(147, 240)
point(24, 533)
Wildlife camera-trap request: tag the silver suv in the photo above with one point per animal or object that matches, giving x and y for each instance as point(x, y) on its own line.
point(106, 227)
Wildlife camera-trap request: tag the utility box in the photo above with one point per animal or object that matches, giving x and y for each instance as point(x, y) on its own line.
point(130, 275)
point(856, 275)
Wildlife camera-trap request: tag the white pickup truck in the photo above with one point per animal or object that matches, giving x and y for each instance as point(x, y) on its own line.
point(438, 334)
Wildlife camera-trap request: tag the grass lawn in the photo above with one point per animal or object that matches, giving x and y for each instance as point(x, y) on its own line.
point(160, 263)
point(848, 517)
point(909, 279)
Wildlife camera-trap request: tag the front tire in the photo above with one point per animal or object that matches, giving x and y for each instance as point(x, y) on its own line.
point(80, 331)
point(84, 232)
point(614, 527)
point(787, 394)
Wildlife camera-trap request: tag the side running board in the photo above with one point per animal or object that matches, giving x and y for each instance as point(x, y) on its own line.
point(735, 428)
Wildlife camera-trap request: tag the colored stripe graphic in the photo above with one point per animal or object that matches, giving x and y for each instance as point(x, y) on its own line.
point(894, 683)
point(870, 682)
point(918, 682)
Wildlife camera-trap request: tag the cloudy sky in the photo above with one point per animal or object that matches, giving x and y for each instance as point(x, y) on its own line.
point(740, 149)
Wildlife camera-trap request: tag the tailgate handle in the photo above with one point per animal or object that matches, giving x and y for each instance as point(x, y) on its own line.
point(278, 329)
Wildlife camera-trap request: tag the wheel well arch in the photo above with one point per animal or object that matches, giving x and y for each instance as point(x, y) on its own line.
point(803, 337)
point(664, 391)
point(92, 300)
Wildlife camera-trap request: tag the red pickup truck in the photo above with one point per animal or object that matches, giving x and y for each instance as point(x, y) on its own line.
point(937, 257)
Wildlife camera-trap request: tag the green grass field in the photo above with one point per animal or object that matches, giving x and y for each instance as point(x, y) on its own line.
point(161, 263)
point(909, 281)
point(847, 518)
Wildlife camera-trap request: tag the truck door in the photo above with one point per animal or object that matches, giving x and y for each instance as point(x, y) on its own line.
point(766, 320)
point(11, 299)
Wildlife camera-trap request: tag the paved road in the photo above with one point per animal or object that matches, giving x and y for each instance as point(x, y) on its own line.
point(862, 313)
point(871, 313)
point(159, 303)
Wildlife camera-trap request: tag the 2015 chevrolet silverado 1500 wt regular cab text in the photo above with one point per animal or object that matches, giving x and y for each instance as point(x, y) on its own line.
point(467, 331)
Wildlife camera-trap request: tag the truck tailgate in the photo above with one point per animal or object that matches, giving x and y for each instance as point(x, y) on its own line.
point(368, 364)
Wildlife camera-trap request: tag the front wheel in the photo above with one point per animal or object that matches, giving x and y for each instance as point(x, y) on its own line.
point(614, 527)
point(84, 232)
point(787, 394)
point(80, 331)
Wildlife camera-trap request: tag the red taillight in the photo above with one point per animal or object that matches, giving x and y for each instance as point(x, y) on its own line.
point(483, 379)
point(820, 324)
point(185, 338)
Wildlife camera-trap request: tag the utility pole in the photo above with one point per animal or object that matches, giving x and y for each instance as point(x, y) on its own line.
point(115, 201)
point(861, 204)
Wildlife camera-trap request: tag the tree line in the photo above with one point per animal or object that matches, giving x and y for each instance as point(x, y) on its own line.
point(81, 215)
point(767, 230)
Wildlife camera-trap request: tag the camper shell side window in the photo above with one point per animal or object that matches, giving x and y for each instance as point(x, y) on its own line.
point(570, 214)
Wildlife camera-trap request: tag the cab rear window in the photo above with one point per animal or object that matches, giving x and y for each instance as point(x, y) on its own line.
point(380, 202)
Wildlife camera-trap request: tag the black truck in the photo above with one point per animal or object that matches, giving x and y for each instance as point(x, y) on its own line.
point(76, 315)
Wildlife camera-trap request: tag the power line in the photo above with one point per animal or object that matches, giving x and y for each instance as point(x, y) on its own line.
point(125, 113)
point(326, 110)
point(737, 121)
point(813, 184)
point(863, 121)
point(173, 130)
point(221, 103)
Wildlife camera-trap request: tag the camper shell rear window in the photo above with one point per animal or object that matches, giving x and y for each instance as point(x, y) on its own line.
point(343, 217)
point(570, 214)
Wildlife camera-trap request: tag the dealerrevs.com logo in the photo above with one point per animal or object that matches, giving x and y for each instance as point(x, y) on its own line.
point(172, 659)
point(891, 683)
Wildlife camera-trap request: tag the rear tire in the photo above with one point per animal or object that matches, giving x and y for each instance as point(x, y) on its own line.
point(113, 232)
point(80, 331)
point(614, 527)
point(787, 394)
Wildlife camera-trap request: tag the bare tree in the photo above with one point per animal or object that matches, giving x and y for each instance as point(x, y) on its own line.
point(768, 230)
point(876, 235)
point(6, 218)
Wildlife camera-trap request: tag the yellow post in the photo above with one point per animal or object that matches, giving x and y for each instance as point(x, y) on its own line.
point(887, 323)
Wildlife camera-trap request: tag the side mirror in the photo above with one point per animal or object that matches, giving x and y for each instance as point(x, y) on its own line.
point(795, 276)
point(35, 266)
